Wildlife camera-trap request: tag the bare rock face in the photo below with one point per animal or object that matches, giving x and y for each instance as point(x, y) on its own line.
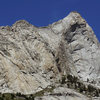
point(33, 58)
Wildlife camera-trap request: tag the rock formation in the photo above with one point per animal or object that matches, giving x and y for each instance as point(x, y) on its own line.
point(65, 54)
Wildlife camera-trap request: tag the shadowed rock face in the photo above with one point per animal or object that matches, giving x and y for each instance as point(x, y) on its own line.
point(33, 58)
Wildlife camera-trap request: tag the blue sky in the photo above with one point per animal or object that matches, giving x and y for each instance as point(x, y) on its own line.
point(44, 12)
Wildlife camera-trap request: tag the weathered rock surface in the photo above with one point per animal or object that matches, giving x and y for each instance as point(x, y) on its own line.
point(33, 58)
point(62, 93)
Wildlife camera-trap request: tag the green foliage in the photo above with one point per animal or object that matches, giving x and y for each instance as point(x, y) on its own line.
point(63, 81)
point(10, 96)
point(74, 83)
point(19, 96)
point(41, 93)
point(71, 81)
point(91, 88)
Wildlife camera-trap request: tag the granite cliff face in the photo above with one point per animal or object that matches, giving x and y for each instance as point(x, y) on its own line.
point(34, 58)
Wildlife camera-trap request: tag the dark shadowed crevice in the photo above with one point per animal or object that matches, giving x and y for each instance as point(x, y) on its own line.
point(57, 60)
point(74, 27)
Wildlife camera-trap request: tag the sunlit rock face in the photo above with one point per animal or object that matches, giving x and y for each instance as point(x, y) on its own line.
point(33, 58)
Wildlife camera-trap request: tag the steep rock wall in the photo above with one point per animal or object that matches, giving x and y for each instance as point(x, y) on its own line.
point(33, 58)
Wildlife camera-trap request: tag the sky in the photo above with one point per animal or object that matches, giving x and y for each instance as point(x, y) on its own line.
point(45, 12)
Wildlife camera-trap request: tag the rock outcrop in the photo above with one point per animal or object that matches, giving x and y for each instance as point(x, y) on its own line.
point(34, 58)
